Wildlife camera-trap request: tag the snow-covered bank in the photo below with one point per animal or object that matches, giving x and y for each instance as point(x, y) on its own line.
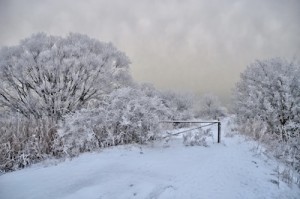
point(226, 170)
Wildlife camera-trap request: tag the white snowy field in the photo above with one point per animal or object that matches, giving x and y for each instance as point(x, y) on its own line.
point(228, 170)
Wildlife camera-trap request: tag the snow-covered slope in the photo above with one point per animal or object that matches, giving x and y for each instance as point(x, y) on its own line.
point(227, 170)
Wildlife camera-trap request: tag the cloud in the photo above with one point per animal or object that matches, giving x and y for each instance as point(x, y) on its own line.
point(194, 45)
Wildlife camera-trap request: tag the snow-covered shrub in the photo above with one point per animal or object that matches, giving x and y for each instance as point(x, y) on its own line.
point(181, 105)
point(267, 107)
point(210, 107)
point(126, 116)
point(77, 134)
point(196, 138)
point(24, 141)
point(289, 152)
point(231, 130)
point(269, 91)
point(254, 128)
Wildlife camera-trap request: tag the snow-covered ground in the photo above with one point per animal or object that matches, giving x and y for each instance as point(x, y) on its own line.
point(228, 170)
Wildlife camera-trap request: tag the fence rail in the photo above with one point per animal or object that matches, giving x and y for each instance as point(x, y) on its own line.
point(199, 122)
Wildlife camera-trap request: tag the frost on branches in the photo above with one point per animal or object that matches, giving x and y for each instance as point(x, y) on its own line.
point(23, 141)
point(210, 107)
point(180, 104)
point(53, 76)
point(127, 116)
point(45, 78)
point(267, 106)
point(197, 138)
point(63, 96)
point(269, 91)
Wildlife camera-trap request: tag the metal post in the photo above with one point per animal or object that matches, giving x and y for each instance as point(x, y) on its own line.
point(219, 131)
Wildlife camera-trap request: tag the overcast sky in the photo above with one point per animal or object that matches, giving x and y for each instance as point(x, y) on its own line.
point(192, 45)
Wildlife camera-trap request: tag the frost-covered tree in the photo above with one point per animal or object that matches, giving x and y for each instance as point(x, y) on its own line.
point(269, 91)
point(210, 107)
point(53, 76)
point(181, 104)
point(267, 107)
point(127, 115)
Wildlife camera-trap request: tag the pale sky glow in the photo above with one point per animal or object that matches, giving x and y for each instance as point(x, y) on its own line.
point(192, 45)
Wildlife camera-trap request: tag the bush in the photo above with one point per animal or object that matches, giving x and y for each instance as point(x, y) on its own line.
point(196, 138)
point(210, 107)
point(127, 116)
point(24, 142)
point(267, 107)
point(269, 92)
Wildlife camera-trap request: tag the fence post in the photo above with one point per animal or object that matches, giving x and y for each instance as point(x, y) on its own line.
point(219, 131)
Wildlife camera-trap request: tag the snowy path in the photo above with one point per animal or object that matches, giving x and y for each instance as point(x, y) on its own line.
point(228, 170)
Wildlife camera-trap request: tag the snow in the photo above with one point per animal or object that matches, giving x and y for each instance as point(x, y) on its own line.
point(228, 170)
